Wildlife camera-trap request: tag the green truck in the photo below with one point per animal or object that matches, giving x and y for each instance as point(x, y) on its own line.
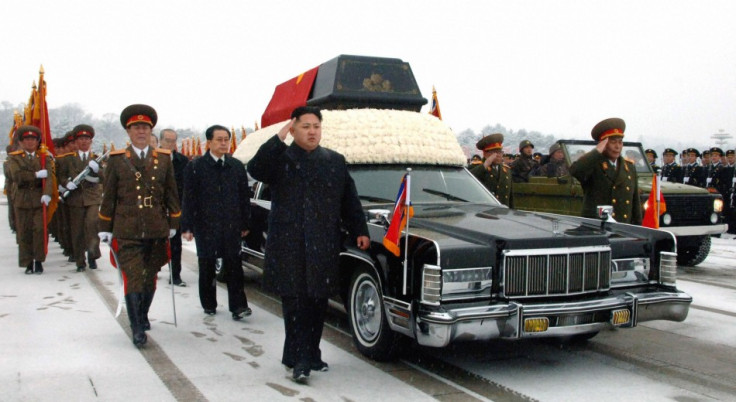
point(693, 214)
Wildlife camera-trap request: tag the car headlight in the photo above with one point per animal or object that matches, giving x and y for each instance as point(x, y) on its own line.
point(466, 282)
point(718, 205)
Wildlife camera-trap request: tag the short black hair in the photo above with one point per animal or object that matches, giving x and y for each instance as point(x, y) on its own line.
point(211, 131)
point(161, 133)
point(302, 110)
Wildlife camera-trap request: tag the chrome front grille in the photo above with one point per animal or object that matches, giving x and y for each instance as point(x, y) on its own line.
point(556, 272)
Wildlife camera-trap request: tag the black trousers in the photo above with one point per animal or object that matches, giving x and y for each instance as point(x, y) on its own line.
point(208, 285)
point(304, 318)
point(175, 243)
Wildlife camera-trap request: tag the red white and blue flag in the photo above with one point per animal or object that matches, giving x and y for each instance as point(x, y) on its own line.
point(402, 212)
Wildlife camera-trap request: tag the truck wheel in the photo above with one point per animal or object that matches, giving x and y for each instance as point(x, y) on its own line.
point(371, 333)
point(693, 253)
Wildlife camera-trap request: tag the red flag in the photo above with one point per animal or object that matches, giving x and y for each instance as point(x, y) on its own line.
point(400, 217)
point(435, 108)
point(287, 96)
point(654, 207)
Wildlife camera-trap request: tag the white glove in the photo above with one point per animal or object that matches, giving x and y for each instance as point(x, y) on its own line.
point(105, 237)
point(71, 186)
point(45, 199)
point(61, 188)
point(94, 165)
point(172, 233)
point(42, 174)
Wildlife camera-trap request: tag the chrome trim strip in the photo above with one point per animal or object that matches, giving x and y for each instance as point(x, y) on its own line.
point(696, 230)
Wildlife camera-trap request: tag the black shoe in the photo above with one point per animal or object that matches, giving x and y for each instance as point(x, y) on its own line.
point(29, 268)
point(242, 313)
point(210, 311)
point(39, 268)
point(300, 375)
point(178, 282)
point(80, 269)
point(319, 366)
point(92, 263)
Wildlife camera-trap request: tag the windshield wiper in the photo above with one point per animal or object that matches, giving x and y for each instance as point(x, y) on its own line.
point(374, 199)
point(449, 197)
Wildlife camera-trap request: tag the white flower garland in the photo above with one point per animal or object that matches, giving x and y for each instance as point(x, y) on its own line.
point(368, 136)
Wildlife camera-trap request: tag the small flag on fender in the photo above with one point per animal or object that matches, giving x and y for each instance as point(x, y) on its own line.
point(399, 217)
point(655, 206)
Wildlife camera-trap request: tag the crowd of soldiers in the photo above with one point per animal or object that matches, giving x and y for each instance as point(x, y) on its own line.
point(712, 169)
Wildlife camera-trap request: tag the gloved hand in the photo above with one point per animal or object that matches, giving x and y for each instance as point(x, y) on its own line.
point(172, 233)
point(105, 237)
point(45, 199)
point(94, 166)
point(42, 174)
point(61, 189)
point(71, 186)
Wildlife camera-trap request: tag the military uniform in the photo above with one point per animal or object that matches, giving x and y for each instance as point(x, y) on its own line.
point(497, 177)
point(655, 168)
point(140, 206)
point(605, 183)
point(9, 191)
point(522, 167)
point(83, 201)
point(29, 189)
point(693, 173)
point(671, 172)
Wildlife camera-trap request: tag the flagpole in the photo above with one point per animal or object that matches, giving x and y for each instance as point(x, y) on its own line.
point(407, 203)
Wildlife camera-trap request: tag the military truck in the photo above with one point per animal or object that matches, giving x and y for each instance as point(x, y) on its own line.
point(693, 214)
point(469, 268)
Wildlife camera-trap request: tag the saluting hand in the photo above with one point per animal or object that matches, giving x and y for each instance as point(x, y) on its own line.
point(601, 145)
point(285, 130)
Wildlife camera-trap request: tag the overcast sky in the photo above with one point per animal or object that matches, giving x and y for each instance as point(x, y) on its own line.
point(666, 67)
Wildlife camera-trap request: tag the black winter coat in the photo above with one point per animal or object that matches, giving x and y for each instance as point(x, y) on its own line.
point(312, 194)
point(180, 162)
point(216, 205)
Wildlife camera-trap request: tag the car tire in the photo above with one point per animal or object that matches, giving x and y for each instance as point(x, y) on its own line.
point(368, 322)
point(694, 253)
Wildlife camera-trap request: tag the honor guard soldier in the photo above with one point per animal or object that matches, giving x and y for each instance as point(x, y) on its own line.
point(33, 189)
point(730, 158)
point(705, 159)
point(606, 177)
point(651, 156)
point(140, 208)
point(693, 173)
point(493, 173)
point(718, 175)
point(522, 166)
point(84, 198)
point(671, 171)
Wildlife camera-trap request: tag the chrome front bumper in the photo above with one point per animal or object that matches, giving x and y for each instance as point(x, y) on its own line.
point(440, 328)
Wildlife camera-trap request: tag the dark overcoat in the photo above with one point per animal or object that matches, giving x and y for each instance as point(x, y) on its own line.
point(605, 185)
point(216, 205)
point(180, 162)
point(672, 172)
point(694, 175)
point(312, 193)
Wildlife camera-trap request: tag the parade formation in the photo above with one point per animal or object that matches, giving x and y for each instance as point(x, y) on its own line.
point(133, 200)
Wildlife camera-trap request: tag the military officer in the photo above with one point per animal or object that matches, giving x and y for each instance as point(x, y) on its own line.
point(606, 177)
point(84, 198)
point(522, 166)
point(718, 176)
point(33, 189)
point(693, 173)
point(493, 173)
point(671, 171)
point(140, 208)
point(651, 156)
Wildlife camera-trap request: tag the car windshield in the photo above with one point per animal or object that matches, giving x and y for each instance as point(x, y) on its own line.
point(633, 152)
point(429, 184)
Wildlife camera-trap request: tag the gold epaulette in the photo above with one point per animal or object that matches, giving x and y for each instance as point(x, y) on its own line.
point(18, 152)
point(163, 151)
point(117, 152)
point(631, 161)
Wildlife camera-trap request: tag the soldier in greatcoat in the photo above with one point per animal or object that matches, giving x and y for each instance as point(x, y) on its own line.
point(671, 171)
point(493, 173)
point(33, 189)
point(84, 199)
point(606, 177)
point(693, 173)
point(140, 208)
point(522, 167)
point(312, 194)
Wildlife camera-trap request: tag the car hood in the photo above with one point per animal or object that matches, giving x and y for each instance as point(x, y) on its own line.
point(481, 224)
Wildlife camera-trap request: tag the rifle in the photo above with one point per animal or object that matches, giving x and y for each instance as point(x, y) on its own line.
point(81, 176)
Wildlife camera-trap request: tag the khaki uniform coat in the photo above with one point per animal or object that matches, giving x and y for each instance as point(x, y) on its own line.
point(497, 180)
